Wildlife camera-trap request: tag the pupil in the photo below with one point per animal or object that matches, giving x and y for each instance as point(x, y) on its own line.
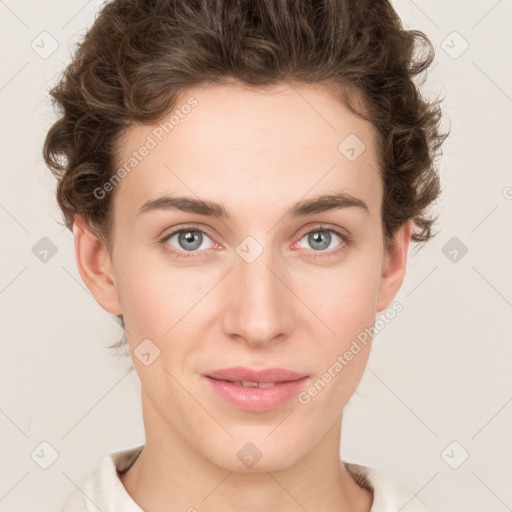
point(189, 237)
point(318, 236)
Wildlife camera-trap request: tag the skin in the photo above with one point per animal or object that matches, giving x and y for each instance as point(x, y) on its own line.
point(255, 152)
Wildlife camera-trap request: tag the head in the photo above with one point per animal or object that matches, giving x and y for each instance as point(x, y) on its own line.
point(243, 180)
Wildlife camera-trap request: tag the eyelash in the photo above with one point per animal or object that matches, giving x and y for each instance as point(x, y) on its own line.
point(346, 242)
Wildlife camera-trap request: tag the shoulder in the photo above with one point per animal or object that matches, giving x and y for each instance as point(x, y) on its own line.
point(103, 490)
point(388, 495)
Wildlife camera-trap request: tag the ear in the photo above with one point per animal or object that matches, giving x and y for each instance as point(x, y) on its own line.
point(393, 270)
point(95, 266)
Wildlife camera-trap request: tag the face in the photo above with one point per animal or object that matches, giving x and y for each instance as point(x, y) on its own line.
point(262, 286)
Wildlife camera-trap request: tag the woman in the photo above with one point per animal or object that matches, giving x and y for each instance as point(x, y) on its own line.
point(243, 180)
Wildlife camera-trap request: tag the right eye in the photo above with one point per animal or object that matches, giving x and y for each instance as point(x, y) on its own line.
point(186, 240)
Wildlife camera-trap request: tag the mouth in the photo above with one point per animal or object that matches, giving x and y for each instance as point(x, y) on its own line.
point(254, 395)
point(250, 377)
point(254, 384)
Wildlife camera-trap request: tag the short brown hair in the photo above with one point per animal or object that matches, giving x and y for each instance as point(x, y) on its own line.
point(140, 55)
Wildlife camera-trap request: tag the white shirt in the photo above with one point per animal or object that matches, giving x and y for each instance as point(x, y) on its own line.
point(103, 490)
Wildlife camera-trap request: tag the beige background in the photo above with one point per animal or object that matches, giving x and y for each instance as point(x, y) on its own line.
point(439, 372)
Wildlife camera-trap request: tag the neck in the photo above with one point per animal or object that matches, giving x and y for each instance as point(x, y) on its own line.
point(170, 475)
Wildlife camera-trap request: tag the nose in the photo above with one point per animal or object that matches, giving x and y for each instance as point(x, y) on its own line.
point(261, 304)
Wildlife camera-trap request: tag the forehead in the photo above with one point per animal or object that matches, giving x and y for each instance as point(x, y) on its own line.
point(279, 143)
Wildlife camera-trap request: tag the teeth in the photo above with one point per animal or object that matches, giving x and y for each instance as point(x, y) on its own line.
point(266, 384)
point(250, 384)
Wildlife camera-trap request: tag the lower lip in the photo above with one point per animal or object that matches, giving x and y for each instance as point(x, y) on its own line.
point(257, 399)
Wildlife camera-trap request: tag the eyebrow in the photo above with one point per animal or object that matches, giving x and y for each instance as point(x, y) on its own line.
point(319, 204)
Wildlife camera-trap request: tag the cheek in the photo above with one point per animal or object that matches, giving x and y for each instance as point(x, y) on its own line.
point(347, 306)
point(140, 298)
point(345, 301)
point(160, 302)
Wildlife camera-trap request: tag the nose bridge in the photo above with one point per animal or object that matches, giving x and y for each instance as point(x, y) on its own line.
point(260, 304)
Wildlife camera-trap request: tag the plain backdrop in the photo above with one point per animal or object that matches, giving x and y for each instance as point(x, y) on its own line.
point(433, 410)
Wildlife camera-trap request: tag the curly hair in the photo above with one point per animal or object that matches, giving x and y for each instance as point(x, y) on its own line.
point(140, 55)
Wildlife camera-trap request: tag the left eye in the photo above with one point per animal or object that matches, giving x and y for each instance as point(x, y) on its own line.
point(320, 239)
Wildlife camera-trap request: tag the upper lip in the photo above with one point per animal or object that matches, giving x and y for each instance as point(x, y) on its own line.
point(240, 373)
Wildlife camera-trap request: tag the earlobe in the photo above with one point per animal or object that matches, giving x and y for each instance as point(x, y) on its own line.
point(95, 266)
point(393, 272)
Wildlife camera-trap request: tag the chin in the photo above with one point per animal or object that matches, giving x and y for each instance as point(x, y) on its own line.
point(255, 454)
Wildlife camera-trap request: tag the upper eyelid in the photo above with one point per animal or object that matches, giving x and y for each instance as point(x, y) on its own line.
point(185, 228)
